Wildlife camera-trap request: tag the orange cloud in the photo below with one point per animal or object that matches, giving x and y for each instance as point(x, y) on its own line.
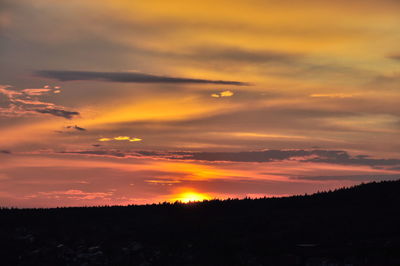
point(331, 95)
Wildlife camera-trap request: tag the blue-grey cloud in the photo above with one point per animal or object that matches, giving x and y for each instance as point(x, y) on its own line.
point(58, 112)
point(128, 77)
point(105, 153)
point(394, 57)
point(76, 128)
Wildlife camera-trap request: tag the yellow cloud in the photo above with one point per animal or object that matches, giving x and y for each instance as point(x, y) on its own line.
point(227, 94)
point(122, 138)
point(104, 139)
point(223, 94)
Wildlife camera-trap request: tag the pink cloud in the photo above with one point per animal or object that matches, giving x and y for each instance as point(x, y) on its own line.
point(76, 194)
point(27, 102)
point(36, 92)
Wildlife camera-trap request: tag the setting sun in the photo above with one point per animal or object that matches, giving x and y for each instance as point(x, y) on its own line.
point(187, 197)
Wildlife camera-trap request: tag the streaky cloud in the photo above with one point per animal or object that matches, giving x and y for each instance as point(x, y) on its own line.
point(127, 77)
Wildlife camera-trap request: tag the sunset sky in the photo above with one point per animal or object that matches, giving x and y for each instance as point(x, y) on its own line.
point(133, 102)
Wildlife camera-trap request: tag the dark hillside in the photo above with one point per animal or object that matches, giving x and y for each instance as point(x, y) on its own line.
point(352, 226)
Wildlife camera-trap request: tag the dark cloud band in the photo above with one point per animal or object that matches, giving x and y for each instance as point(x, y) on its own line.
point(316, 156)
point(129, 77)
point(254, 156)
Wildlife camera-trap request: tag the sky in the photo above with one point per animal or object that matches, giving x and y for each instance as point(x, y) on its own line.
point(133, 102)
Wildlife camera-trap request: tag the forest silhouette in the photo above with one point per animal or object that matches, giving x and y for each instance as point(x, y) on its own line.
point(349, 226)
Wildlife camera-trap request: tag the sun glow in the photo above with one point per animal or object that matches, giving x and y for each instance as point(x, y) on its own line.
point(191, 196)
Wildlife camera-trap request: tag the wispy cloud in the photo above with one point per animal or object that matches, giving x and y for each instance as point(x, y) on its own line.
point(129, 77)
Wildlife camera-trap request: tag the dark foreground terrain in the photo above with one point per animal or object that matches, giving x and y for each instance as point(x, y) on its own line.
point(354, 226)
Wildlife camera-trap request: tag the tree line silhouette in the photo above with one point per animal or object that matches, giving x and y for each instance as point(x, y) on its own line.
point(349, 226)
